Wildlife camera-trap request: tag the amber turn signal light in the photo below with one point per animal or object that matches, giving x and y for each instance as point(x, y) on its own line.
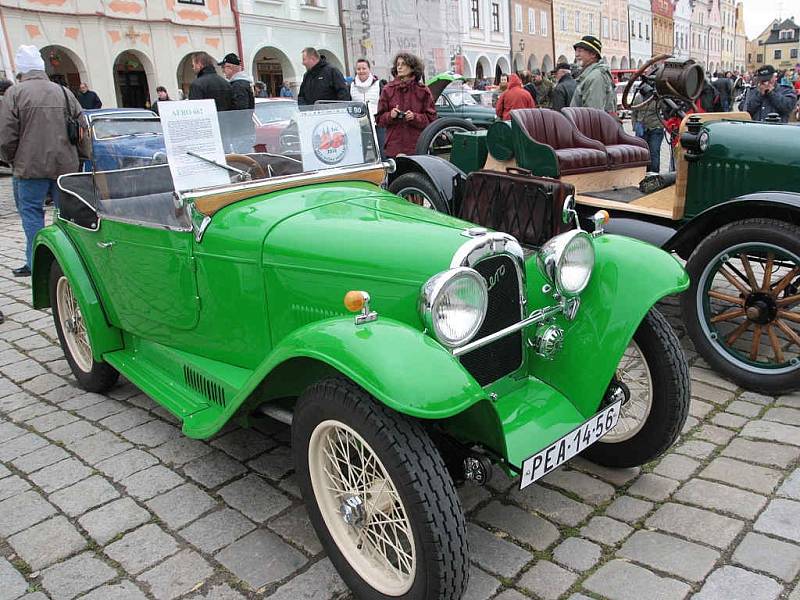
point(355, 300)
point(602, 216)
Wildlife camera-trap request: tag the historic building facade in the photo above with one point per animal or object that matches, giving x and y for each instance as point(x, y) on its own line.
point(781, 45)
point(640, 17)
point(485, 40)
point(728, 18)
point(614, 33)
point(663, 28)
point(532, 34)
point(682, 29)
point(714, 36)
point(573, 19)
point(121, 49)
point(740, 40)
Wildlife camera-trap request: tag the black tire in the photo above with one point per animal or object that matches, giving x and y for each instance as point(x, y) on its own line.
point(669, 374)
point(99, 377)
point(418, 473)
point(439, 127)
point(418, 189)
point(713, 340)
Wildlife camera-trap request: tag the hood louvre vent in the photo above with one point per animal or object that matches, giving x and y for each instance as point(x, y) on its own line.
point(213, 392)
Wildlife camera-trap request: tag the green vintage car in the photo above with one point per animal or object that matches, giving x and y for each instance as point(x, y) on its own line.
point(406, 348)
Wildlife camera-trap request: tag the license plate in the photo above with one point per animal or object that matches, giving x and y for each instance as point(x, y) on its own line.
point(577, 440)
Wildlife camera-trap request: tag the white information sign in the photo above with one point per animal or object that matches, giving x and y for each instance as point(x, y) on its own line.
point(191, 126)
point(329, 138)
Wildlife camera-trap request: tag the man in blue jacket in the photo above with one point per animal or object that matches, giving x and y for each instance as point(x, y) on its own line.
point(768, 97)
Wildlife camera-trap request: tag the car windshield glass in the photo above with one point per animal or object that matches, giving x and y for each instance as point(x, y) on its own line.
point(274, 111)
point(461, 98)
point(113, 127)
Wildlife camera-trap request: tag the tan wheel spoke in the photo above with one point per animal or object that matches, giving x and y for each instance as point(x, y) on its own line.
point(726, 297)
point(785, 281)
point(738, 332)
point(733, 280)
point(775, 343)
point(727, 316)
point(756, 343)
point(789, 316)
point(749, 270)
point(790, 333)
point(768, 272)
point(789, 300)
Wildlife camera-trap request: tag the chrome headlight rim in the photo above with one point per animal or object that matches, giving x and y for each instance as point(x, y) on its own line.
point(432, 294)
point(551, 256)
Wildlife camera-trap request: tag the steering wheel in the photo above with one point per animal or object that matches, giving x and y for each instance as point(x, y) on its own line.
point(246, 163)
point(640, 74)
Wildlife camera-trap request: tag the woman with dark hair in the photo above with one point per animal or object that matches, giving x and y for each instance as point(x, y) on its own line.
point(405, 107)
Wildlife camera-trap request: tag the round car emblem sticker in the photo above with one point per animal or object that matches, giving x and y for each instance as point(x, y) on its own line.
point(329, 141)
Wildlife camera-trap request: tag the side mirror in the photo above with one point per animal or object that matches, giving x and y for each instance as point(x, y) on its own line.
point(568, 212)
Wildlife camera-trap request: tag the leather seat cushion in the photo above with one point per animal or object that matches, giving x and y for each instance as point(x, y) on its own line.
point(581, 160)
point(626, 155)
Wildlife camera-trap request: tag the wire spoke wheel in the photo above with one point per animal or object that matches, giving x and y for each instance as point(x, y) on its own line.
point(749, 299)
point(416, 196)
point(362, 508)
point(73, 326)
point(634, 373)
point(442, 144)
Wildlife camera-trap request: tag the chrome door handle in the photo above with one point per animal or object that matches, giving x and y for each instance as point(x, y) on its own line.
point(105, 244)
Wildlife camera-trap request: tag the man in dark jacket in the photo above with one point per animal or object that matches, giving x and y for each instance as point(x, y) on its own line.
point(87, 98)
point(724, 87)
point(208, 84)
point(321, 81)
point(242, 97)
point(565, 88)
point(767, 97)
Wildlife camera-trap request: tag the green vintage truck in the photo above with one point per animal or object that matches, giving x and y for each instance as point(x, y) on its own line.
point(408, 349)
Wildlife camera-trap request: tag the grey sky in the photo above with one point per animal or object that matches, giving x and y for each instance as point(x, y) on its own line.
point(760, 13)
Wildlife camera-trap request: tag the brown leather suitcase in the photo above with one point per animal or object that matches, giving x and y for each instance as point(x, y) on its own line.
point(515, 202)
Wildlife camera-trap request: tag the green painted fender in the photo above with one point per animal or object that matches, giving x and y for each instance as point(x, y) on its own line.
point(400, 366)
point(51, 243)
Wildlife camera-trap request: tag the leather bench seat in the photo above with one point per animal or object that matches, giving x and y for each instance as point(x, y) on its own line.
point(624, 151)
point(581, 160)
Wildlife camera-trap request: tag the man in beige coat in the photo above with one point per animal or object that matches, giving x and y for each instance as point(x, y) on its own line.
point(33, 139)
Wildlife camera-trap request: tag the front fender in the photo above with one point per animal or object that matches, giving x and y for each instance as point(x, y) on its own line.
point(443, 174)
point(51, 243)
point(629, 278)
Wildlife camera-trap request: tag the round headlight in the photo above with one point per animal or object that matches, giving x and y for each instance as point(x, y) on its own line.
point(567, 261)
point(702, 141)
point(453, 305)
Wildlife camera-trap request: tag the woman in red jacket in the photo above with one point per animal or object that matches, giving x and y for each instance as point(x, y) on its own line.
point(405, 107)
point(515, 96)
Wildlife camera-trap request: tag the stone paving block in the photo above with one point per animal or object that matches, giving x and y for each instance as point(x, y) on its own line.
point(73, 398)
point(12, 584)
point(790, 488)
point(765, 453)
point(711, 378)
point(21, 446)
point(151, 434)
point(577, 554)
point(781, 519)
point(494, 554)
point(23, 370)
point(521, 525)
point(792, 400)
point(9, 431)
point(10, 402)
point(4, 472)
point(547, 580)
point(758, 479)
point(142, 548)
point(745, 409)
point(628, 509)
point(123, 465)
point(761, 553)
point(260, 558)
point(733, 582)
point(699, 409)
point(11, 486)
point(80, 497)
point(756, 398)
point(470, 495)
point(102, 409)
point(480, 586)
point(696, 524)
point(606, 530)
point(730, 421)
point(31, 411)
point(296, 527)
point(551, 504)
point(690, 424)
point(587, 488)
point(685, 559)
point(11, 356)
point(714, 434)
point(177, 575)
point(716, 496)
point(47, 543)
point(124, 590)
point(23, 510)
point(72, 432)
point(39, 459)
point(98, 447)
point(620, 580)
point(75, 576)
point(782, 414)
point(676, 466)
point(515, 595)
point(106, 522)
point(127, 419)
point(181, 505)
point(616, 477)
point(772, 432)
point(696, 449)
point(51, 420)
point(213, 469)
point(181, 450)
point(33, 342)
point(273, 464)
point(218, 529)
point(219, 592)
point(795, 595)
point(150, 482)
point(60, 475)
point(321, 581)
point(243, 444)
point(653, 487)
point(255, 498)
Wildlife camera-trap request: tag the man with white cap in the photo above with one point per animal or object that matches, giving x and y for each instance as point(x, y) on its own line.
point(35, 140)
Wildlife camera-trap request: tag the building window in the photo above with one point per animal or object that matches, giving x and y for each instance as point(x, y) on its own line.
point(793, 53)
point(543, 21)
point(518, 17)
point(476, 14)
point(777, 55)
point(647, 31)
point(198, 2)
point(577, 21)
point(590, 24)
point(615, 29)
point(495, 16)
point(605, 33)
point(786, 34)
point(760, 58)
point(531, 21)
point(640, 30)
point(563, 18)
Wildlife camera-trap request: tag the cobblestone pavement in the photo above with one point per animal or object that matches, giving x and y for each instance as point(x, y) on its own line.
point(102, 498)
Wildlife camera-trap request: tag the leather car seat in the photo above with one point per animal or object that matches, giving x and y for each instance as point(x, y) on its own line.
point(623, 150)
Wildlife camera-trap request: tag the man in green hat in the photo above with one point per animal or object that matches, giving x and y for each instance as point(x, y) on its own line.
point(595, 88)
